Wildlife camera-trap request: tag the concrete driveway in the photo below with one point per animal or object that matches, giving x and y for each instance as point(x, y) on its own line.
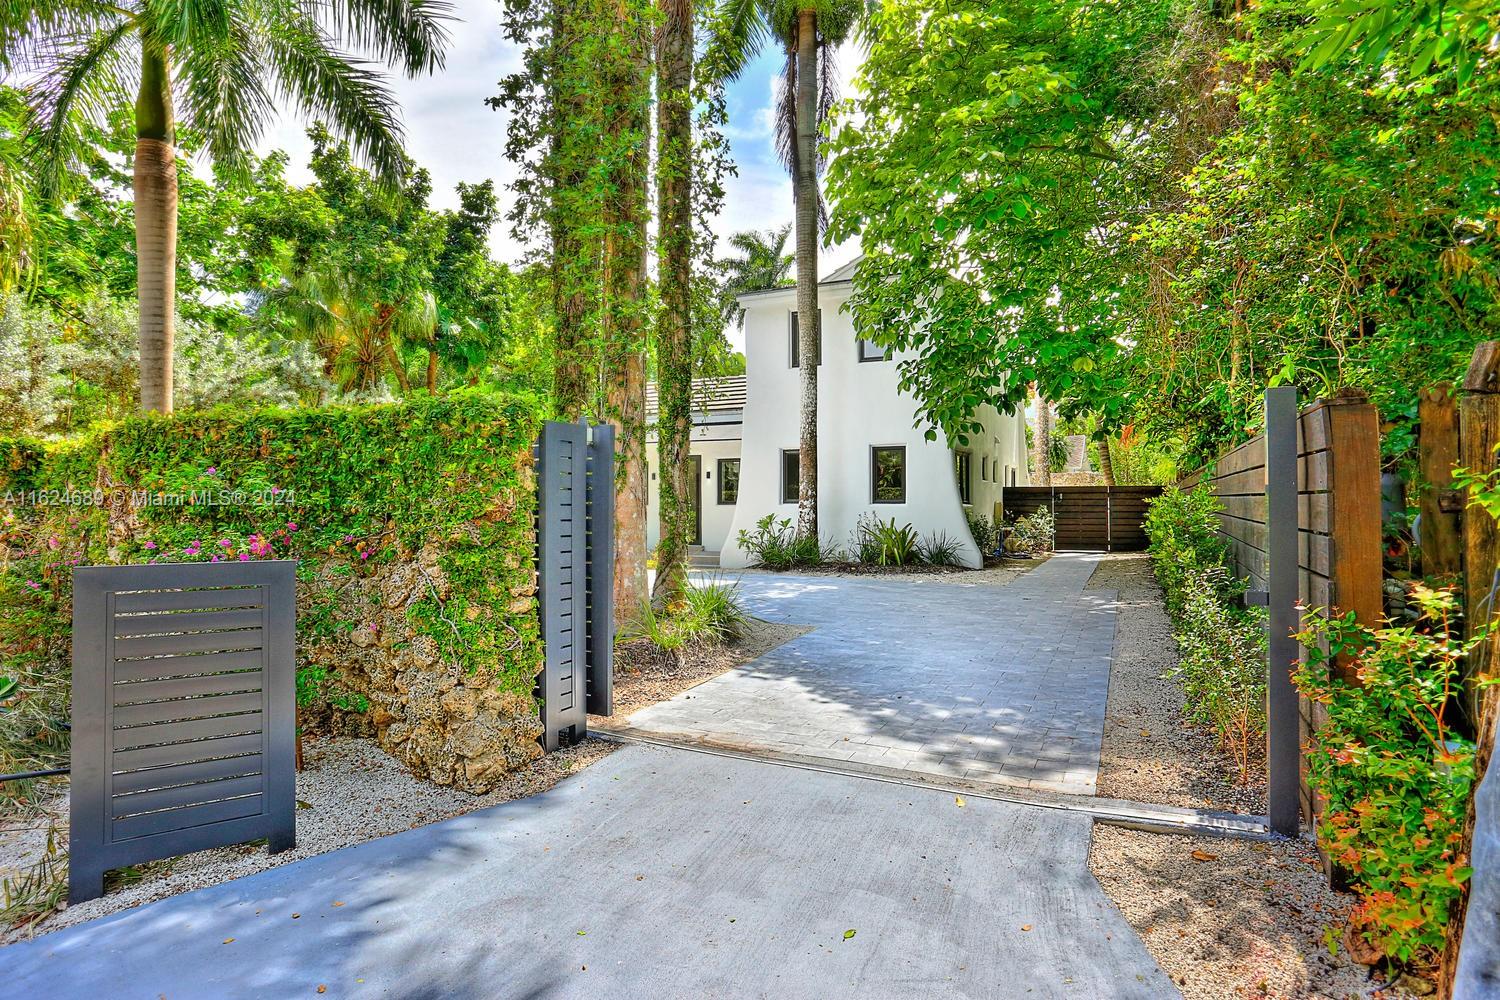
point(654, 873)
point(1000, 684)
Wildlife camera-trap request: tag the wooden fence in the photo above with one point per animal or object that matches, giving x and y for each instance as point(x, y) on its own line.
point(1103, 518)
point(1338, 530)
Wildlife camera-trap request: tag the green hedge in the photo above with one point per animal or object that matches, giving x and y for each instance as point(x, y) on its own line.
point(365, 496)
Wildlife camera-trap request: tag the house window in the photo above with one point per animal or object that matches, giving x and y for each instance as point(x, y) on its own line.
point(888, 474)
point(984, 469)
point(797, 340)
point(1012, 477)
point(790, 474)
point(871, 351)
point(729, 480)
point(963, 469)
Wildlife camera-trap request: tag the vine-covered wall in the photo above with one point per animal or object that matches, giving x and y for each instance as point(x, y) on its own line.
point(413, 526)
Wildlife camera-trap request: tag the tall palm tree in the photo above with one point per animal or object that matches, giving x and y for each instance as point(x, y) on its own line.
point(763, 263)
point(228, 65)
point(807, 30)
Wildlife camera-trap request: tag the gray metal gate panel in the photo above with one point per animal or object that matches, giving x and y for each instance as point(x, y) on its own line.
point(562, 470)
point(184, 712)
point(601, 571)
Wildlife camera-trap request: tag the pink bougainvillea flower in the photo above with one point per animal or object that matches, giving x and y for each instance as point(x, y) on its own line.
point(53, 543)
point(224, 543)
point(212, 471)
point(214, 559)
point(291, 526)
point(348, 538)
point(244, 557)
point(151, 546)
point(33, 585)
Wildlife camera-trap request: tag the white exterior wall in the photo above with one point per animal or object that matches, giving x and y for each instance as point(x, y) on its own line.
point(859, 407)
point(710, 443)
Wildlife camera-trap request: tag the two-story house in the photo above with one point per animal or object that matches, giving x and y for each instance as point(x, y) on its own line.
point(872, 455)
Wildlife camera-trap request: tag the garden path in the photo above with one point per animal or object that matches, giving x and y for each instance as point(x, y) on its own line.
point(997, 684)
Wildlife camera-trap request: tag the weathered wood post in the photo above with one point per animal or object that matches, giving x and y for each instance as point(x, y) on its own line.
point(1479, 434)
point(1441, 528)
point(1283, 743)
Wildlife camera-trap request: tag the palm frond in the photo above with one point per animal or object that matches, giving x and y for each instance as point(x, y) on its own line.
point(335, 87)
point(786, 116)
point(412, 34)
point(742, 29)
point(81, 78)
point(222, 82)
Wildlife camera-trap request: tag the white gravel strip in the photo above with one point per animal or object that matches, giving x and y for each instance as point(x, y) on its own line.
point(352, 790)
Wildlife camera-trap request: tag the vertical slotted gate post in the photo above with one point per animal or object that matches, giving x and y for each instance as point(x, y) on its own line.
point(601, 571)
point(575, 576)
point(1283, 752)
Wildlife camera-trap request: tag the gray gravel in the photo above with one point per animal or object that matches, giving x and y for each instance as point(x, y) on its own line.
point(353, 792)
point(1225, 918)
point(1151, 753)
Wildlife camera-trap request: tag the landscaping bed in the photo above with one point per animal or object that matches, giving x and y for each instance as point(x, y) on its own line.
point(1223, 917)
point(349, 792)
point(996, 572)
point(646, 674)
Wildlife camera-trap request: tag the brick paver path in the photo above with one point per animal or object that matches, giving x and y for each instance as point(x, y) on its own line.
point(1002, 684)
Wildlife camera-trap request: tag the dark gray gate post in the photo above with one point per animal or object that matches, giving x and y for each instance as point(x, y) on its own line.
point(184, 713)
point(1283, 750)
point(601, 571)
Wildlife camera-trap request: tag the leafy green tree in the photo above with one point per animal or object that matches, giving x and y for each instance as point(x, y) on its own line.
point(221, 64)
point(806, 30)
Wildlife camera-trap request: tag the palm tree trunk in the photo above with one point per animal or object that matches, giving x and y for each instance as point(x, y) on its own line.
point(628, 95)
point(1041, 441)
point(155, 182)
point(674, 339)
point(805, 188)
point(1106, 462)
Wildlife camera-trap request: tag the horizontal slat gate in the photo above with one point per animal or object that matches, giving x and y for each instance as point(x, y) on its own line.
point(1102, 518)
point(183, 712)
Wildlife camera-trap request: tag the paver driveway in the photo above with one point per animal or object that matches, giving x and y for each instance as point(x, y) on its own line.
point(1003, 684)
point(654, 873)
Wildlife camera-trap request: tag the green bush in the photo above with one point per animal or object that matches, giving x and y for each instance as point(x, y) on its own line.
point(985, 531)
point(940, 549)
point(884, 543)
point(709, 612)
point(1183, 529)
point(1394, 773)
point(774, 545)
point(1222, 667)
point(414, 516)
point(1032, 534)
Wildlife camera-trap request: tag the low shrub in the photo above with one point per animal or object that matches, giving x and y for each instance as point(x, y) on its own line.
point(1222, 668)
point(774, 544)
point(883, 543)
point(1395, 774)
point(940, 549)
point(985, 531)
point(1032, 534)
point(1183, 528)
point(709, 612)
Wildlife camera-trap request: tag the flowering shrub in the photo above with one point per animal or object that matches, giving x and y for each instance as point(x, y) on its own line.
point(1395, 774)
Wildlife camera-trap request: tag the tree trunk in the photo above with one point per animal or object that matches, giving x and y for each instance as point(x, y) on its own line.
point(1106, 462)
point(575, 261)
point(674, 337)
point(805, 188)
point(628, 118)
point(155, 182)
point(1041, 441)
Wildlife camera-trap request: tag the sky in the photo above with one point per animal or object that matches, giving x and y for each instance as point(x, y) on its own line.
point(457, 137)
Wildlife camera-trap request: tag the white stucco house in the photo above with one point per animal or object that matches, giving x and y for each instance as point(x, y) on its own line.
point(872, 456)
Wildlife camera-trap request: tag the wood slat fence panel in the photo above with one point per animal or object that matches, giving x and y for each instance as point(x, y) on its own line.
point(1102, 518)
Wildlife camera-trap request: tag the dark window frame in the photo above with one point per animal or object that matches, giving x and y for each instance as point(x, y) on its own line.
point(719, 492)
point(793, 481)
point(963, 474)
point(875, 450)
point(793, 338)
point(884, 355)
